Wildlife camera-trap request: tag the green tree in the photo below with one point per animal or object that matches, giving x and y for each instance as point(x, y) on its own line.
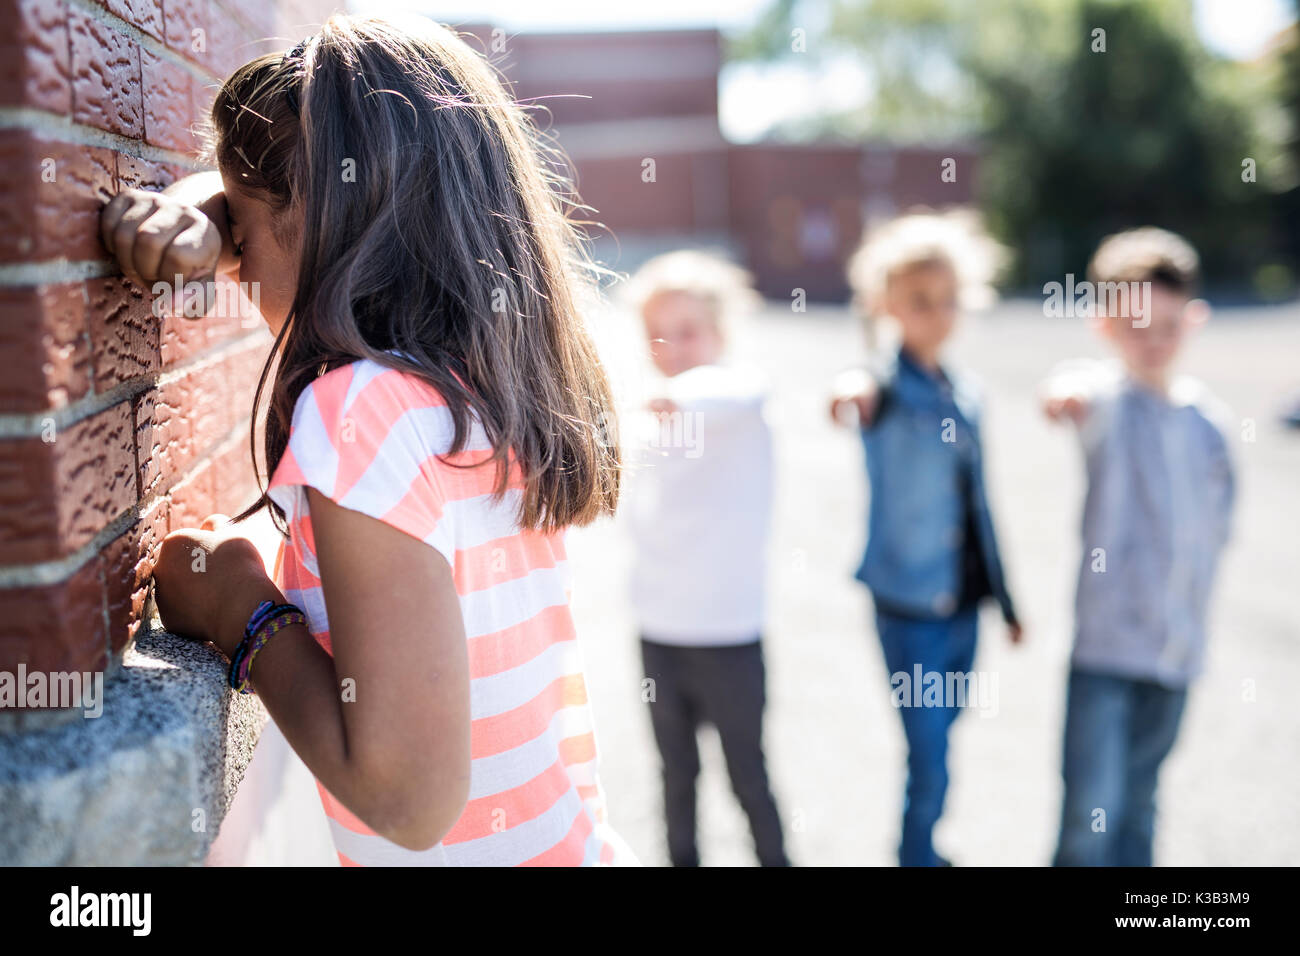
point(1081, 132)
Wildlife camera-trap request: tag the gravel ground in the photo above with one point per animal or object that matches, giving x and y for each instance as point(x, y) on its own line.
point(1230, 792)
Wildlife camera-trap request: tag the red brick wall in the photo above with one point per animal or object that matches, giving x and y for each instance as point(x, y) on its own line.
point(795, 212)
point(115, 425)
point(616, 77)
point(800, 211)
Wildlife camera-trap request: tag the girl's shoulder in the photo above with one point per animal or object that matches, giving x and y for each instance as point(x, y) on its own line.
point(366, 384)
point(370, 380)
point(372, 438)
point(367, 397)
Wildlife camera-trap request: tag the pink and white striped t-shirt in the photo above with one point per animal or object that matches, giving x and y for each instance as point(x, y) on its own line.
point(369, 438)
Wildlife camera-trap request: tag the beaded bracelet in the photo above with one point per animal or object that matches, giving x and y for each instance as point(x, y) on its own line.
point(267, 618)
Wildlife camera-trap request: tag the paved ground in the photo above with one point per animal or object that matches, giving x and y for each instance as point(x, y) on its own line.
point(1231, 790)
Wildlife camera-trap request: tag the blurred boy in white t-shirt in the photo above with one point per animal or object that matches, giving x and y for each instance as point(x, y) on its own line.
point(699, 504)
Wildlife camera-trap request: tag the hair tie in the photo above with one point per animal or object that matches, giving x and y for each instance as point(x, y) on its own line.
point(298, 54)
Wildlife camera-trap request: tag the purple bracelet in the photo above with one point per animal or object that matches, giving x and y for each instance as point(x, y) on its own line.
point(266, 620)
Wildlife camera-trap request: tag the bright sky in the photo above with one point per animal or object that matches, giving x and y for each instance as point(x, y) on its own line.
point(1232, 27)
point(752, 99)
point(578, 14)
point(1240, 28)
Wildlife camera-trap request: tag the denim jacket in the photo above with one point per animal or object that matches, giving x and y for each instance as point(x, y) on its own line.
point(921, 449)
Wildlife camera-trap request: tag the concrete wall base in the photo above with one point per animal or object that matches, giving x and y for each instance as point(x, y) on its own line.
point(146, 783)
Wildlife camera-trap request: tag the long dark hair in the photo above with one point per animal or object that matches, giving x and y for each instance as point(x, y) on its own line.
point(451, 243)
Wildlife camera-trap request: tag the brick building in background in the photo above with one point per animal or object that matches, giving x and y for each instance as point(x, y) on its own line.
point(793, 214)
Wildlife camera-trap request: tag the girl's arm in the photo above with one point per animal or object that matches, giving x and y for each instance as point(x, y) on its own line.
point(183, 230)
point(206, 192)
point(384, 724)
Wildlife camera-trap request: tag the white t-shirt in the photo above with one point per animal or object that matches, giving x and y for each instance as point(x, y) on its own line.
point(699, 503)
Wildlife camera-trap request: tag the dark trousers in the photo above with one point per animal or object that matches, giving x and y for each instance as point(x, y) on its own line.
point(722, 686)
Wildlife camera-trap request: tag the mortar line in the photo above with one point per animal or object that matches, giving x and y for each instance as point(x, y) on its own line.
point(58, 570)
point(144, 40)
point(68, 130)
point(18, 425)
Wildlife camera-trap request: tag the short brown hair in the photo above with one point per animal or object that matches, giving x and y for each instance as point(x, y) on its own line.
point(1150, 255)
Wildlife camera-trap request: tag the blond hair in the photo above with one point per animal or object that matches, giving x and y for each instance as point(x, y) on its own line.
point(725, 287)
point(955, 239)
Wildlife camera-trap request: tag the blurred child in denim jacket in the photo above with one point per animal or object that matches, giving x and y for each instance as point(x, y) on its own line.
point(931, 553)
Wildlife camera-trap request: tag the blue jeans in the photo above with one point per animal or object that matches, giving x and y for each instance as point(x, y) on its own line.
point(1117, 733)
point(945, 645)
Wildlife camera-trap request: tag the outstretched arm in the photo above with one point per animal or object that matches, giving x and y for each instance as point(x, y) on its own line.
point(855, 395)
point(1068, 407)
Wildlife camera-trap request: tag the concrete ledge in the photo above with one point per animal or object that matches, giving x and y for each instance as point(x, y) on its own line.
point(146, 783)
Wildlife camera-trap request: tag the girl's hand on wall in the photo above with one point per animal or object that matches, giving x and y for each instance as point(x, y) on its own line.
point(208, 581)
point(155, 238)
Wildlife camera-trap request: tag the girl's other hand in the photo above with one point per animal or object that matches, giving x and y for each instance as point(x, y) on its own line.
point(1015, 633)
point(208, 581)
point(155, 237)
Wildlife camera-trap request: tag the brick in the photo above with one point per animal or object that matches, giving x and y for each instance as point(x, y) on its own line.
point(137, 173)
point(183, 338)
point(202, 93)
point(147, 421)
point(54, 212)
point(55, 496)
point(262, 17)
point(234, 485)
point(233, 316)
point(128, 563)
point(44, 347)
point(192, 499)
point(59, 627)
point(231, 44)
point(105, 77)
point(184, 442)
point(124, 332)
point(145, 14)
point(168, 105)
point(34, 56)
point(148, 16)
point(194, 414)
point(180, 421)
point(188, 25)
point(119, 8)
